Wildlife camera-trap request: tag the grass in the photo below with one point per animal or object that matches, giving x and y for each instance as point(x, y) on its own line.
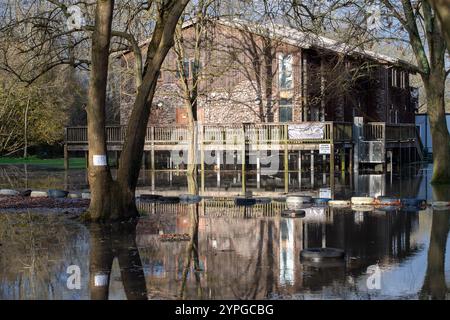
point(74, 163)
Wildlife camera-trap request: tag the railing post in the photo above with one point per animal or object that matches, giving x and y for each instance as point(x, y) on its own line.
point(332, 157)
point(152, 143)
point(66, 152)
point(286, 159)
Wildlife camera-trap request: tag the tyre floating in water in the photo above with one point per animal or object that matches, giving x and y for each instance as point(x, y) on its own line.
point(387, 201)
point(441, 205)
point(321, 201)
point(150, 197)
point(298, 202)
point(322, 254)
point(169, 200)
point(74, 195)
point(339, 203)
point(25, 193)
point(38, 194)
point(362, 208)
point(190, 198)
point(54, 193)
point(85, 195)
point(293, 213)
point(244, 202)
point(263, 200)
point(9, 192)
point(362, 200)
point(413, 202)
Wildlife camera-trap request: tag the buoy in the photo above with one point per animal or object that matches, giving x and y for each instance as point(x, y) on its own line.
point(293, 213)
point(322, 254)
point(339, 203)
point(53, 193)
point(362, 200)
point(9, 192)
point(38, 194)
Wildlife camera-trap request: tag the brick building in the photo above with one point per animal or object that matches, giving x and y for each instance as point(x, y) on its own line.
point(253, 73)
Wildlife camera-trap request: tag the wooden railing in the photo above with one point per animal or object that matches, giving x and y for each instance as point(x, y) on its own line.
point(389, 132)
point(260, 133)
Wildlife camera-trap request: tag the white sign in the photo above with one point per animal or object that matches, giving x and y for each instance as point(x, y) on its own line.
point(99, 160)
point(325, 193)
point(305, 131)
point(324, 148)
point(100, 280)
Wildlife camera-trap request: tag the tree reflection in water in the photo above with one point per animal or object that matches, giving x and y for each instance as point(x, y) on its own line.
point(192, 247)
point(434, 286)
point(109, 241)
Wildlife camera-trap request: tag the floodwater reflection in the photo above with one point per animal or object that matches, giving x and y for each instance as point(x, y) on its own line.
point(108, 242)
point(233, 252)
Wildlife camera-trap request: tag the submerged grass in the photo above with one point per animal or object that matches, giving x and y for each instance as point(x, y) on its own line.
point(74, 163)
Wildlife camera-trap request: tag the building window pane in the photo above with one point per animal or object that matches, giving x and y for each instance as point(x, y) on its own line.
point(285, 110)
point(285, 71)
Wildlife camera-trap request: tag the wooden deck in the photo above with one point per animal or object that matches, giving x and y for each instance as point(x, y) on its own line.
point(275, 136)
point(375, 144)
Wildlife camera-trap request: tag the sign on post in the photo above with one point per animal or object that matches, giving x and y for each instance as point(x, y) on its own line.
point(324, 148)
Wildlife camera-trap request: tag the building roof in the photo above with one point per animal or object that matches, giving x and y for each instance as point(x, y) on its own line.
point(303, 40)
point(307, 40)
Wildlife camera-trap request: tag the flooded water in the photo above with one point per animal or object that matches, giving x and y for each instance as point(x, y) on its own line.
point(234, 252)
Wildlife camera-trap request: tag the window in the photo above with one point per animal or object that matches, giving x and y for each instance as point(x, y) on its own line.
point(398, 78)
point(189, 67)
point(285, 71)
point(285, 114)
point(185, 69)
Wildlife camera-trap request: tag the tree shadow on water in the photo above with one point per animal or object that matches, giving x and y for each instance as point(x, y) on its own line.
point(108, 241)
point(434, 286)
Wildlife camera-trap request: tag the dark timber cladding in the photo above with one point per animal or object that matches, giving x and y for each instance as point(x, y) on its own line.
point(276, 88)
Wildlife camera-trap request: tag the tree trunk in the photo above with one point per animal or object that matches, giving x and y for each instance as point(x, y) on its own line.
point(115, 200)
point(100, 180)
point(442, 8)
point(435, 89)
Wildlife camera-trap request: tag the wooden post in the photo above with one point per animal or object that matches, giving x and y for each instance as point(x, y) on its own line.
point(218, 167)
point(243, 160)
point(202, 161)
point(342, 152)
point(143, 160)
point(312, 168)
point(258, 171)
point(152, 152)
point(300, 169)
point(332, 158)
point(332, 166)
point(286, 164)
point(66, 157)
